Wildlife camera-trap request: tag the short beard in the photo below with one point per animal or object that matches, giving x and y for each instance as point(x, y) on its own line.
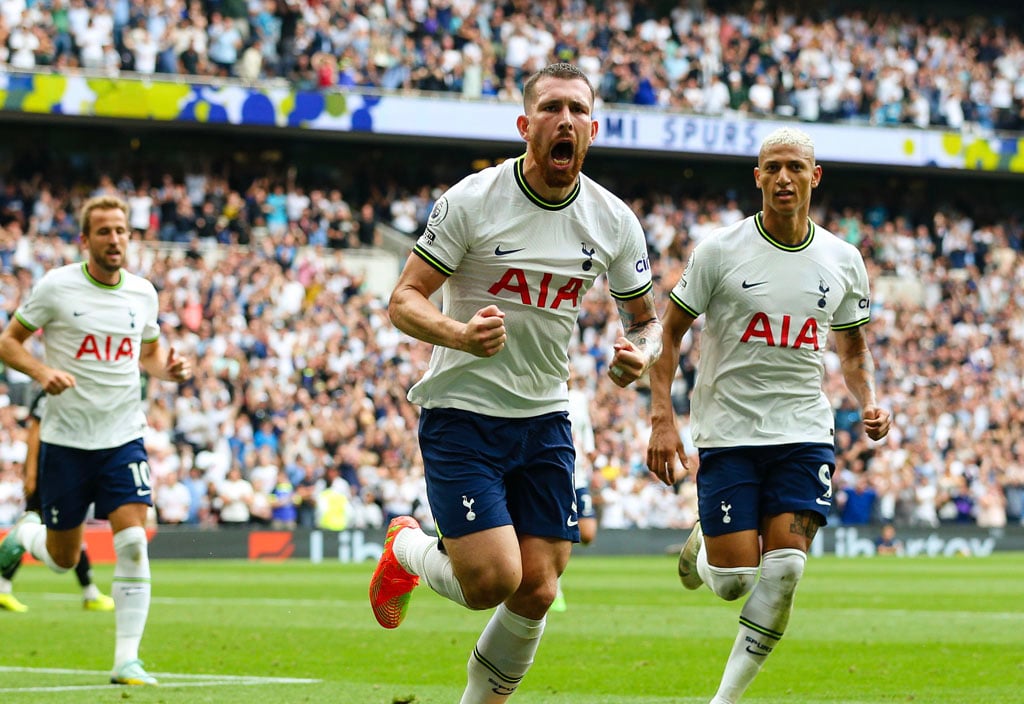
point(562, 179)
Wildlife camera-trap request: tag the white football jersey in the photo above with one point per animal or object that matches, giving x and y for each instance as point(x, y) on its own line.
point(95, 332)
point(768, 308)
point(500, 243)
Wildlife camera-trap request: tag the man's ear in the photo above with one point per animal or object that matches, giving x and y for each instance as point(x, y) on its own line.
point(523, 125)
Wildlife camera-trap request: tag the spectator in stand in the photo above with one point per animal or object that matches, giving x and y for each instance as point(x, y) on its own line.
point(234, 497)
point(803, 68)
point(283, 499)
point(887, 543)
point(173, 500)
point(306, 491)
point(856, 503)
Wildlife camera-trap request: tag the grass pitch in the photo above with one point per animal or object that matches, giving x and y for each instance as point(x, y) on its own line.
point(866, 631)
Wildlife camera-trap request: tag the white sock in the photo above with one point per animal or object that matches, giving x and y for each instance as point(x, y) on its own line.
point(417, 552)
point(33, 539)
point(90, 592)
point(131, 592)
point(501, 658)
point(763, 620)
point(5, 586)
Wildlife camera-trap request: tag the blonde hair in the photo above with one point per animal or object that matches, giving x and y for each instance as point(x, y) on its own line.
point(99, 203)
point(787, 136)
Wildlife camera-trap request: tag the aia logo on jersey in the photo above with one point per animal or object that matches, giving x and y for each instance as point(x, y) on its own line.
point(782, 332)
point(105, 349)
point(549, 294)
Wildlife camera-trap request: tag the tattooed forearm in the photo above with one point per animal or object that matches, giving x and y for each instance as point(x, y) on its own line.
point(642, 326)
point(805, 523)
point(858, 366)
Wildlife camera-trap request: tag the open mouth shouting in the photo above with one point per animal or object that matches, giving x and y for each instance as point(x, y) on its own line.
point(563, 153)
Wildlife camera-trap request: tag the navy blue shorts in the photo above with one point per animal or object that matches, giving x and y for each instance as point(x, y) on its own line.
point(585, 503)
point(70, 479)
point(484, 472)
point(739, 486)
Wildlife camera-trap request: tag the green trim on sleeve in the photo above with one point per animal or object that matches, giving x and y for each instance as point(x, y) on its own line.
point(686, 309)
point(422, 254)
point(635, 293)
point(24, 322)
point(851, 326)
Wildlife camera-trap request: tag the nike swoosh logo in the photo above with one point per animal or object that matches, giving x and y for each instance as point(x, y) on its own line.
point(756, 283)
point(572, 522)
point(754, 652)
point(76, 313)
point(143, 492)
point(823, 502)
point(499, 252)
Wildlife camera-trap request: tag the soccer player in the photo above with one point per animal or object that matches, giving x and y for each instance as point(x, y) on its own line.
point(100, 324)
point(515, 247)
point(92, 598)
point(770, 288)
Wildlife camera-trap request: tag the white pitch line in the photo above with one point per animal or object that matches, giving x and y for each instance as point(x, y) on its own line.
point(197, 680)
point(263, 601)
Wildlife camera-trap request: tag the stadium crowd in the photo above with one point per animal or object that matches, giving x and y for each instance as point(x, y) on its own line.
point(297, 414)
point(880, 68)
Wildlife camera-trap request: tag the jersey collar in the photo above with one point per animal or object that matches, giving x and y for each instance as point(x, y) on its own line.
point(759, 223)
point(94, 282)
point(534, 196)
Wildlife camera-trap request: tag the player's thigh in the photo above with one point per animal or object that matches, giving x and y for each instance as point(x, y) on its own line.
point(544, 560)
point(790, 530)
point(65, 546)
point(128, 515)
point(740, 549)
point(486, 560)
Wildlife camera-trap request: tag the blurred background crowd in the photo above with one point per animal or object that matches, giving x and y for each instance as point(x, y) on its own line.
point(888, 66)
point(297, 415)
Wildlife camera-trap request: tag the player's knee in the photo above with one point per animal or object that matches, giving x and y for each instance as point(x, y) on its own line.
point(130, 544)
point(730, 583)
point(61, 557)
point(488, 589)
point(63, 561)
point(783, 568)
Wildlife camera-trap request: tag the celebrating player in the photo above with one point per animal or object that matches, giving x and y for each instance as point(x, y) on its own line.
point(770, 288)
point(516, 247)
